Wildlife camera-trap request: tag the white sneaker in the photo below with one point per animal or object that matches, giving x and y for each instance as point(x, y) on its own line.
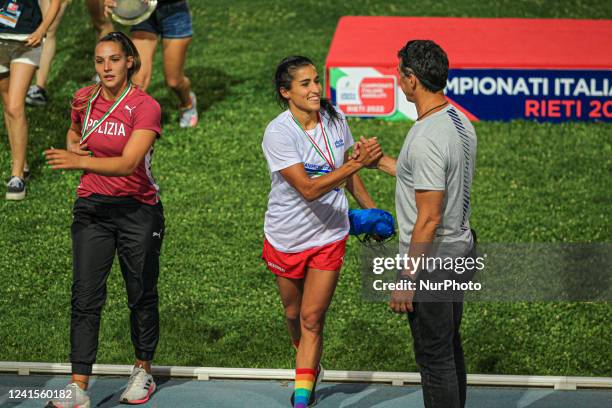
point(75, 398)
point(15, 189)
point(140, 387)
point(189, 117)
point(36, 96)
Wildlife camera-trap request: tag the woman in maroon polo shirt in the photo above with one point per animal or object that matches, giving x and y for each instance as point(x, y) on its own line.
point(114, 127)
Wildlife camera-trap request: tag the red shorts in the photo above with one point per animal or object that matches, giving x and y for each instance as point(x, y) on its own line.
point(329, 257)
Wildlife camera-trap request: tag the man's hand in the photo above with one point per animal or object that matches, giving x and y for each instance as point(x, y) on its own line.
point(401, 301)
point(364, 143)
point(369, 146)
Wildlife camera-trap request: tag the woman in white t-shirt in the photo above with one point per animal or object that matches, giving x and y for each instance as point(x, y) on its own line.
point(306, 224)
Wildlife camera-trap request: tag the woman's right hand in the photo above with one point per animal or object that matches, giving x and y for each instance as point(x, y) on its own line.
point(367, 152)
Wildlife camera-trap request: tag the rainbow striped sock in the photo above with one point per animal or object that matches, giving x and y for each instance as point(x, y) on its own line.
point(304, 383)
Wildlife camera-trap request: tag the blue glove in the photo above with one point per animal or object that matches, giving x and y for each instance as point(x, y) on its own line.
point(372, 221)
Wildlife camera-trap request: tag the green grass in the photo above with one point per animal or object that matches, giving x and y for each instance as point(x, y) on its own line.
point(219, 305)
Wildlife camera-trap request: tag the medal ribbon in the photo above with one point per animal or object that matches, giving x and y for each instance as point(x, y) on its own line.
point(85, 134)
point(332, 159)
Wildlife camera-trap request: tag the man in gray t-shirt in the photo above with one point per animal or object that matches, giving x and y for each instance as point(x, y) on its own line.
point(434, 173)
point(438, 155)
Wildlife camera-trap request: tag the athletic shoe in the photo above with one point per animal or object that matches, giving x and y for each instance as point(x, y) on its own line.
point(15, 189)
point(189, 117)
point(140, 387)
point(78, 398)
point(36, 96)
point(312, 401)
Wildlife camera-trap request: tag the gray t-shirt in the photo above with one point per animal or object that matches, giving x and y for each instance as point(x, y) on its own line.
point(439, 153)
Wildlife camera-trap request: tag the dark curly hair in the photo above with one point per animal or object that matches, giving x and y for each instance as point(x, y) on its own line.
point(427, 61)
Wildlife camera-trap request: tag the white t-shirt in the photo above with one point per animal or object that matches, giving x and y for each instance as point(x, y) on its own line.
point(293, 224)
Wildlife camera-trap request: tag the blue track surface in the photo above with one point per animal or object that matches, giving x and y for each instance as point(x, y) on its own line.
point(174, 393)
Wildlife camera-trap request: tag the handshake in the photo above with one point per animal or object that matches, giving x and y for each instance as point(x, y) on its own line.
point(367, 152)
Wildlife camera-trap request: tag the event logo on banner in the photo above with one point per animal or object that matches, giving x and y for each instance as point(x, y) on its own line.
point(366, 96)
point(542, 95)
point(482, 94)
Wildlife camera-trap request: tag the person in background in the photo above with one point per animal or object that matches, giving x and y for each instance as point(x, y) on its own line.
point(100, 21)
point(171, 21)
point(118, 211)
point(37, 94)
point(22, 30)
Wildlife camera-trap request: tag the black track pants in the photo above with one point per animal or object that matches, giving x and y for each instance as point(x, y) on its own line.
point(436, 332)
point(135, 232)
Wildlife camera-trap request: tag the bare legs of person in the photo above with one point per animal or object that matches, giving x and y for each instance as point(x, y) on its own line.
point(290, 291)
point(306, 302)
point(145, 43)
point(174, 54)
point(37, 94)
point(101, 23)
point(13, 88)
point(49, 47)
